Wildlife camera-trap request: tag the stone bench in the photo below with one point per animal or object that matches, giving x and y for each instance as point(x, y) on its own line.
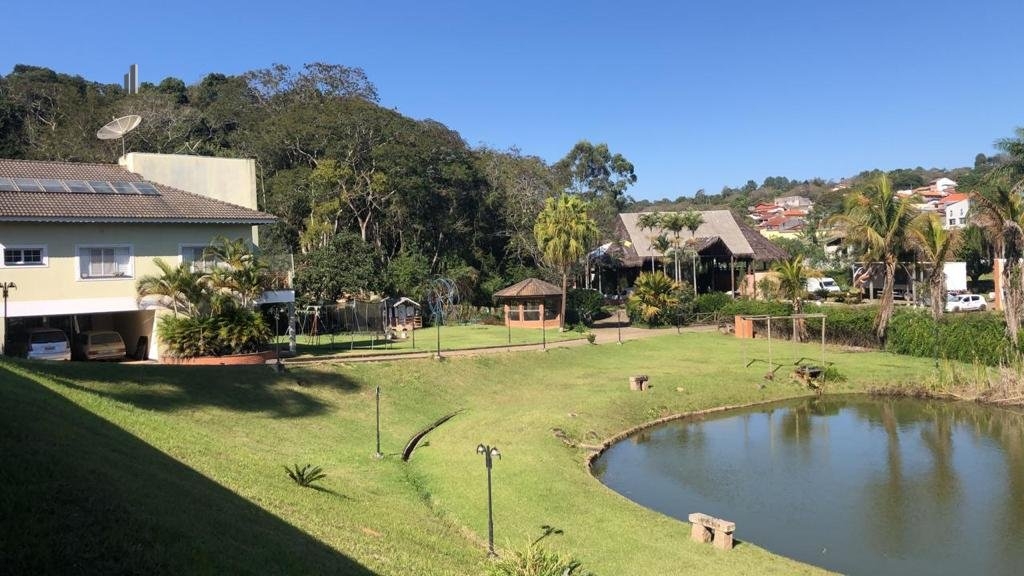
point(710, 529)
point(638, 382)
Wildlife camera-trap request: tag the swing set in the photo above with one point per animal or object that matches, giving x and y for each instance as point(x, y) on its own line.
point(809, 371)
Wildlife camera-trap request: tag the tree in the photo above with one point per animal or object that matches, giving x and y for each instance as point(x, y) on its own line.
point(1000, 215)
point(876, 222)
point(650, 221)
point(692, 220)
point(599, 177)
point(674, 222)
point(564, 233)
point(345, 265)
point(975, 252)
point(656, 299)
point(935, 245)
point(792, 284)
point(177, 287)
point(662, 245)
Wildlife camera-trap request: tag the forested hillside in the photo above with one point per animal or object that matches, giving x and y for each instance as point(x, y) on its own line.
point(369, 199)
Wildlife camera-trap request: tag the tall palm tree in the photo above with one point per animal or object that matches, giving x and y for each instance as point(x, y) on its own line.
point(692, 221)
point(178, 287)
point(674, 222)
point(662, 245)
point(877, 221)
point(564, 231)
point(792, 283)
point(999, 212)
point(935, 245)
point(649, 221)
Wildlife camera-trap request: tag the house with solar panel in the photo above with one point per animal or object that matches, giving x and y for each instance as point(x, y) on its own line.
point(76, 237)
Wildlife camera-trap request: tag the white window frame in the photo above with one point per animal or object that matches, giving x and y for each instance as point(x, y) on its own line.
point(41, 247)
point(181, 254)
point(130, 275)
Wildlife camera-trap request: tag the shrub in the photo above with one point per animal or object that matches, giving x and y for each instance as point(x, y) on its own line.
point(972, 338)
point(657, 300)
point(711, 302)
point(844, 325)
point(233, 331)
point(536, 561)
point(757, 308)
point(306, 475)
point(583, 305)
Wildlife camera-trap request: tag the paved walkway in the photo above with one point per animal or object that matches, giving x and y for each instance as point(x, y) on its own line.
point(607, 331)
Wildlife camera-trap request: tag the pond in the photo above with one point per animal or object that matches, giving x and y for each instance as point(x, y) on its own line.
point(853, 484)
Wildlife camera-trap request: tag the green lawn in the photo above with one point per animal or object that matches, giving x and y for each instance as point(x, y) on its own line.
point(152, 469)
point(424, 340)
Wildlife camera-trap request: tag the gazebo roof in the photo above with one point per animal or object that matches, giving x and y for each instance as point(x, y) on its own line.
point(529, 288)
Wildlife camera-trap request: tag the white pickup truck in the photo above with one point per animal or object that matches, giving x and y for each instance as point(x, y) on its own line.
point(827, 284)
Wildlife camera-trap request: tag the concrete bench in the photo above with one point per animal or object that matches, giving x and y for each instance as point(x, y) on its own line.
point(638, 382)
point(710, 529)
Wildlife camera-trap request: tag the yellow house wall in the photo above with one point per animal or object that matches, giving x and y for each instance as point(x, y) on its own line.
point(57, 289)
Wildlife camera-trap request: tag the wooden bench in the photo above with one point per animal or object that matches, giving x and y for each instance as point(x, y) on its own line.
point(710, 529)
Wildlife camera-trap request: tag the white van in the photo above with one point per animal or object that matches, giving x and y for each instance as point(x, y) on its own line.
point(48, 344)
point(824, 283)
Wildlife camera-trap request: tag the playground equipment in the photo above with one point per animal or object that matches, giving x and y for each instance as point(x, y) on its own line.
point(811, 372)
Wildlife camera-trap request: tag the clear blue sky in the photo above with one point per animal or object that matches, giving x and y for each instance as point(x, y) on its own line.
point(695, 94)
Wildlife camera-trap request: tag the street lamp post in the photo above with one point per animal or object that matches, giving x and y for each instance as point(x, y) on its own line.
point(437, 322)
point(277, 339)
point(6, 286)
point(378, 454)
point(489, 452)
point(618, 323)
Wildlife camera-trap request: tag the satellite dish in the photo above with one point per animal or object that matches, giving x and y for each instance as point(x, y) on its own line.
point(118, 127)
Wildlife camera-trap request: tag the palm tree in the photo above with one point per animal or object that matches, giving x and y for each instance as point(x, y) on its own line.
point(692, 221)
point(935, 244)
point(564, 231)
point(178, 287)
point(239, 271)
point(877, 221)
point(662, 245)
point(1000, 215)
point(649, 221)
point(674, 222)
point(792, 283)
point(655, 297)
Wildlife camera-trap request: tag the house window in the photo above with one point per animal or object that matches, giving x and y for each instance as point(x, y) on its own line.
point(24, 256)
point(105, 262)
point(952, 221)
point(963, 221)
point(197, 258)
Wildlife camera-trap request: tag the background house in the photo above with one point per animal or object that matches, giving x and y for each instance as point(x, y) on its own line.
point(727, 250)
point(77, 237)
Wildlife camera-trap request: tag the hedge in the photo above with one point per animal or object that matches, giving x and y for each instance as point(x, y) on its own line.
point(973, 338)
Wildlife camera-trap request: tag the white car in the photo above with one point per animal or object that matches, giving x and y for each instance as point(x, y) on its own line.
point(964, 302)
point(827, 284)
point(48, 344)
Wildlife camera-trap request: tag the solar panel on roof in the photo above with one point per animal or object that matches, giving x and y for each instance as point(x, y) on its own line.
point(146, 188)
point(28, 185)
point(55, 185)
point(101, 187)
point(78, 186)
point(124, 187)
point(52, 185)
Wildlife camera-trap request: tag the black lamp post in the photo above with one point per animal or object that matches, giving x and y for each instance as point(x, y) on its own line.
point(618, 323)
point(6, 286)
point(437, 322)
point(489, 453)
point(378, 454)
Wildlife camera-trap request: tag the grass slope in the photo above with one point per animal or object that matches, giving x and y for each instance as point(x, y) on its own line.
point(169, 469)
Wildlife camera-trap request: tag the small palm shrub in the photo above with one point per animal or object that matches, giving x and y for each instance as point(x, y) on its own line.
point(535, 560)
point(233, 331)
point(657, 300)
point(306, 475)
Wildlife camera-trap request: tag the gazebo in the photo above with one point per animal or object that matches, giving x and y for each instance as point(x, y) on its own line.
point(527, 302)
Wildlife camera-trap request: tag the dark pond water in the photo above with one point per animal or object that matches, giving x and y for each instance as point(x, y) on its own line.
point(855, 485)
